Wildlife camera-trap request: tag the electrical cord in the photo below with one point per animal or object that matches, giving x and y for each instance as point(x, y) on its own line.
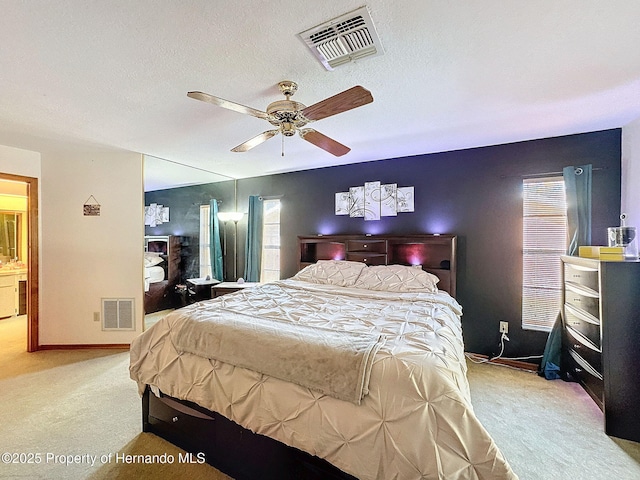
point(474, 359)
point(503, 337)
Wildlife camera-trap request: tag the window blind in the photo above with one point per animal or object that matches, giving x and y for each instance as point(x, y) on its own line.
point(205, 256)
point(270, 268)
point(544, 240)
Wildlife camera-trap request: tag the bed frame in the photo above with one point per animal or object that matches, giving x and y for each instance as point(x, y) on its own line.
point(436, 254)
point(245, 455)
point(227, 446)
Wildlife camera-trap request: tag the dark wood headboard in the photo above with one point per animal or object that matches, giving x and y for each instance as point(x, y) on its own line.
point(436, 253)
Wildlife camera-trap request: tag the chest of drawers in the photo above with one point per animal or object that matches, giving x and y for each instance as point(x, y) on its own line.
point(601, 337)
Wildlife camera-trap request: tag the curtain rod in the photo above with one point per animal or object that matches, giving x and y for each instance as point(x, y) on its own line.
point(270, 197)
point(545, 174)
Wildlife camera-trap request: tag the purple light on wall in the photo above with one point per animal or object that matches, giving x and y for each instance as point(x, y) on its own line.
point(326, 228)
point(411, 253)
point(437, 225)
point(374, 228)
point(330, 251)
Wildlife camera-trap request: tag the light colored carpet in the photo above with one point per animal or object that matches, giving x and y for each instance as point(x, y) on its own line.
point(151, 318)
point(82, 402)
point(76, 402)
point(548, 430)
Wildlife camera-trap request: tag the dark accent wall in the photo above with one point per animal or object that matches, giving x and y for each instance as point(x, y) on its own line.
point(475, 194)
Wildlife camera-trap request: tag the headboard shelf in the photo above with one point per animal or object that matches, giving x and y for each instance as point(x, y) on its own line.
point(435, 253)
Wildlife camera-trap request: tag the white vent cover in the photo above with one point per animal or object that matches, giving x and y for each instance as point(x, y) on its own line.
point(117, 314)
point(349, 37)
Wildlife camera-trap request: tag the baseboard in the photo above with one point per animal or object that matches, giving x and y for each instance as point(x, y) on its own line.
point(93, 346)
point(533, 367)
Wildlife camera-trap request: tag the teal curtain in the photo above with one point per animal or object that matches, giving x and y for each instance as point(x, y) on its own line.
point(215, 249)
point(253, 247)
point(577, 181)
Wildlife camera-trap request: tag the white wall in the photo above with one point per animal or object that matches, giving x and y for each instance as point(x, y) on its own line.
point(630, 201)
point(19, 162)
point(87, 258)
point(84, 259)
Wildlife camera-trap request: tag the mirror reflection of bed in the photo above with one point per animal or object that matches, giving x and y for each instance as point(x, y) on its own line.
point(161, 276)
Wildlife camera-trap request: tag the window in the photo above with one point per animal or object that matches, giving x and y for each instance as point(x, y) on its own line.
point(270, 265)
point(544, 240)
point(205, 241)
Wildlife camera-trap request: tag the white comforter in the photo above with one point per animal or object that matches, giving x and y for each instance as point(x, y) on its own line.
point(417, 420)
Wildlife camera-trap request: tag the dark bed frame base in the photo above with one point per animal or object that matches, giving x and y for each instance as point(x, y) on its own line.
point(227, 446)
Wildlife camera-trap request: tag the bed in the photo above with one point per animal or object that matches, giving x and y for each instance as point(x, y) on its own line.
point(161, 272)
point(412, 418)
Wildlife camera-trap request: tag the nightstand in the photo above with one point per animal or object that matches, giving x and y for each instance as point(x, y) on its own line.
point(223, 288)
point(200, 288)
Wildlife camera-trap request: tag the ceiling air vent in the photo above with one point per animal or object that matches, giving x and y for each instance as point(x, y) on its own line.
point(349, 37)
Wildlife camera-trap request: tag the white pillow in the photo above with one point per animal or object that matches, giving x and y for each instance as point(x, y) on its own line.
point(397, 278)
point(152, 259)
point(341, 273)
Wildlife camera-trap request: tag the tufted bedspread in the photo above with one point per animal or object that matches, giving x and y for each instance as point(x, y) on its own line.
point(416, 422)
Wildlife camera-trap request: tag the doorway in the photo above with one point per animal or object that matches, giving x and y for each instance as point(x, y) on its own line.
point(32, 254)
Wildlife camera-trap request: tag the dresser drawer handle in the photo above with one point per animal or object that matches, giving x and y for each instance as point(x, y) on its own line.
point(364, 246)
point(577, 346)
point(174, 419)
point(577, 370)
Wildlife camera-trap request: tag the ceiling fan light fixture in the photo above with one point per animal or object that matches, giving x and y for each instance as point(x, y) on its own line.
point(288, 129)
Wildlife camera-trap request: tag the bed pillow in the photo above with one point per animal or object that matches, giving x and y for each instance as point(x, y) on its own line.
point(341, 273)
point(397, 278)
point(152, 259)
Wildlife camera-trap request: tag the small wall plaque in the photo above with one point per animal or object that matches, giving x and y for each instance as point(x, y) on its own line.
point(91, 209)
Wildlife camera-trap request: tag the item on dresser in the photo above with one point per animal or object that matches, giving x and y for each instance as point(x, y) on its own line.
point(601, 323)
point(625, 238)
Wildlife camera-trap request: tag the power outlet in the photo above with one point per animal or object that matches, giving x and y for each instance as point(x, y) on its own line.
point(96, 316)
point(504, 327)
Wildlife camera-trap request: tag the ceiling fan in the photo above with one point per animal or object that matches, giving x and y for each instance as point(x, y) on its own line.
point(289, 117)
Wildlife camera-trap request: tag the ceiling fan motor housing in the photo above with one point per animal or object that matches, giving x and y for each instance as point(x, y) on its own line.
point(286, 115)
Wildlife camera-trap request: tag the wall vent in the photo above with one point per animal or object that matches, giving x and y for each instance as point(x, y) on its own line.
point(344, 39)
point(118, 314)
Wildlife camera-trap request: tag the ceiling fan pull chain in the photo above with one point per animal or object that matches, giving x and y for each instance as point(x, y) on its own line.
point(283, 145)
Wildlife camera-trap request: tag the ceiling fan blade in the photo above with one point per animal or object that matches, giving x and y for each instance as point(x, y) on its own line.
point(347, 100)
point(324, 142)
point(221, 102)
point(255, 141)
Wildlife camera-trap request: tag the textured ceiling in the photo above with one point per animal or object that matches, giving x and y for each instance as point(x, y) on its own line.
point(454, 75)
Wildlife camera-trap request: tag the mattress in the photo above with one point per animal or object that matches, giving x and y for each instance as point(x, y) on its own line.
point(416, 421)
